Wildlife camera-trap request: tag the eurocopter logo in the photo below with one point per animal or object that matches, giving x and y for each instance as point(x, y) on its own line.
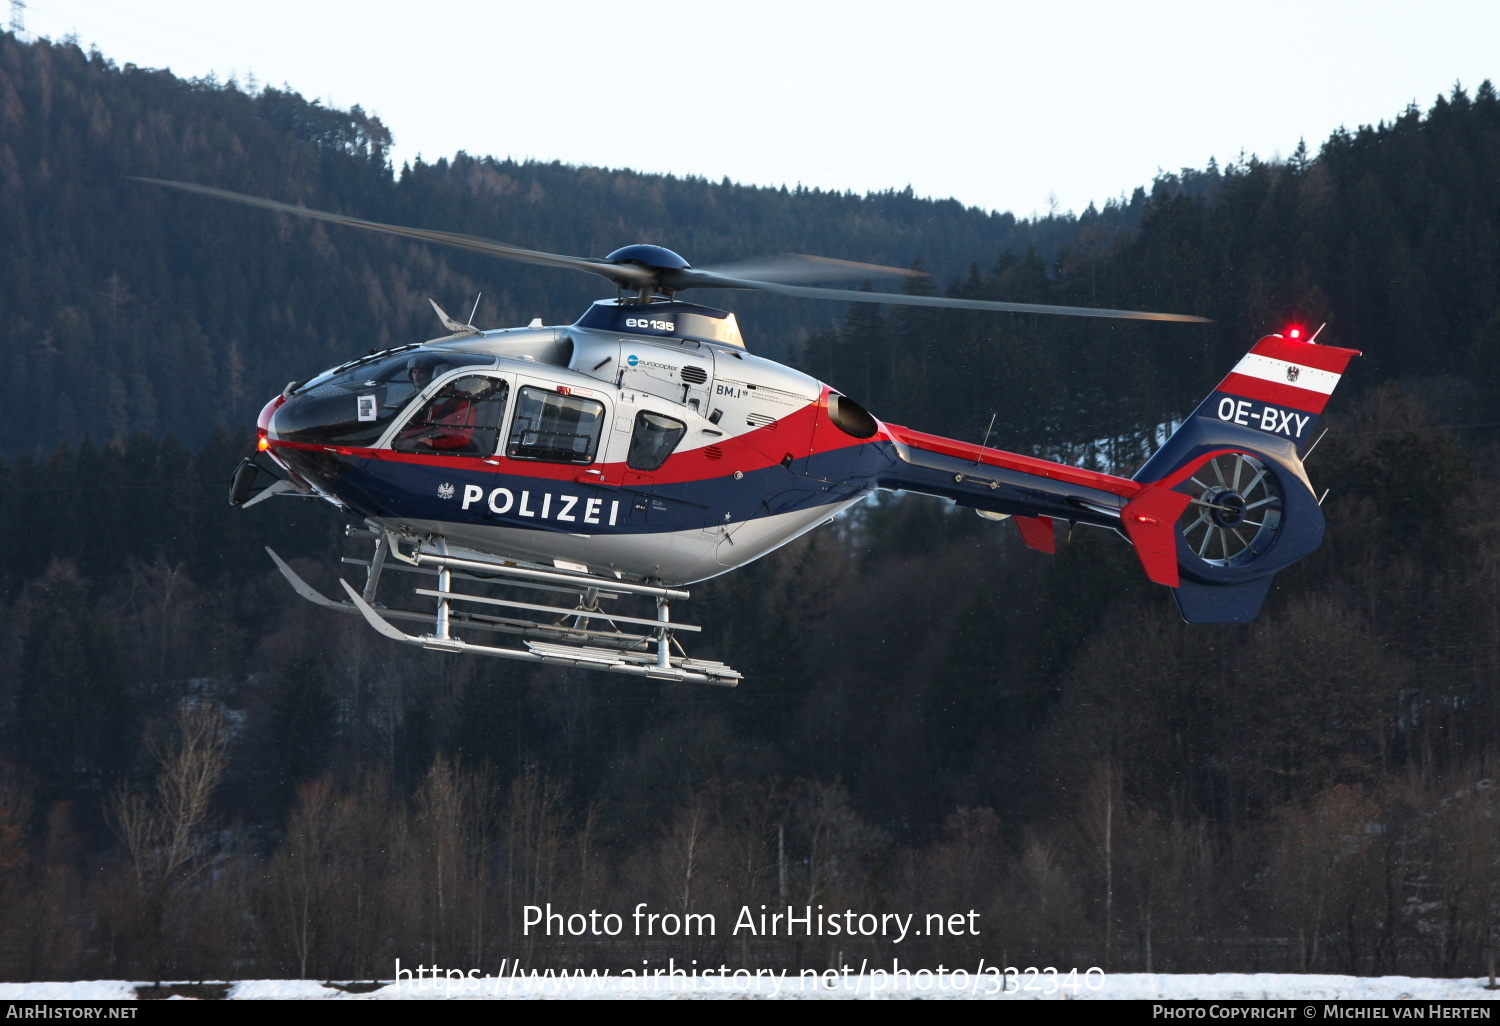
point(445, 491)
point(632, 359)
point(1292, 373)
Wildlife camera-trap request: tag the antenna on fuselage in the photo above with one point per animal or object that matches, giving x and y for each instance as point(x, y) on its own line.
point(985, 444)
point(459, 330)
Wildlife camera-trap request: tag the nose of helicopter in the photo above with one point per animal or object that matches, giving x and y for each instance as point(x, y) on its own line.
point(263, 423)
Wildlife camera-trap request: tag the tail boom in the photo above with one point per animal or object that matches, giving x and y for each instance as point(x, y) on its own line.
point(1214, 514)
point(1009, 484)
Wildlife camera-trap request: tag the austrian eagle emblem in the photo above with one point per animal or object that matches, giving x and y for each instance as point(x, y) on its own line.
point(1292, 372)
point(445, 490)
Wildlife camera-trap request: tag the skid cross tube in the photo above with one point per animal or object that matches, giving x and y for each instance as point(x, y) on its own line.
point(481, 579)
point(377, 564)
point(582, 614)
point(664, 635)
point(580, 581)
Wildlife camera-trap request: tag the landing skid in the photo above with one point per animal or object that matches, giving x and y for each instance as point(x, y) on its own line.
point(582, 634)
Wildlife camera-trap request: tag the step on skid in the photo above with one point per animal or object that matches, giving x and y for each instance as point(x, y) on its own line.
point(582, 634)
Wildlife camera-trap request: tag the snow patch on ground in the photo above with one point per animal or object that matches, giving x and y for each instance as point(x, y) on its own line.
point(926, 986)
point(90, 990)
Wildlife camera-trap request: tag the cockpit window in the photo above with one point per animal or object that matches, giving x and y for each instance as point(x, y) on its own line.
point(353, 366)
point(353, 405)
point(653, 440)
point(555, 428)
point(462, 419)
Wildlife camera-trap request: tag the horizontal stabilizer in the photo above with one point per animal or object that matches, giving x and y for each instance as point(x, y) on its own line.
point(1037, 533)
point(1150, 521)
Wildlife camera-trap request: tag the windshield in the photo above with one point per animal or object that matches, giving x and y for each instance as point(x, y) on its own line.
point(353, 404)
point(344, 369)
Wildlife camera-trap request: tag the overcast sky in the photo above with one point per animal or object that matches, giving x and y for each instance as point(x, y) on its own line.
point(1005, 106)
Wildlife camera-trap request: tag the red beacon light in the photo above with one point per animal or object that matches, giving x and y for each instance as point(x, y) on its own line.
point(1295, 334)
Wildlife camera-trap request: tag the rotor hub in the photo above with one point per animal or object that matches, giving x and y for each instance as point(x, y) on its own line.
point(1228, 508)
point(655, 257)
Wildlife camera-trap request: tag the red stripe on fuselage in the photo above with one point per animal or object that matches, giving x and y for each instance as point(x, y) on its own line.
point(753, 450)
point(802, 433)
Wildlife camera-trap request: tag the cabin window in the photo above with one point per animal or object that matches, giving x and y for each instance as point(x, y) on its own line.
point(462, 419)
point(555, 428)
point(654, 439)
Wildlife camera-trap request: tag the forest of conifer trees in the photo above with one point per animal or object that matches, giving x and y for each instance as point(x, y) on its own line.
point(202, 776)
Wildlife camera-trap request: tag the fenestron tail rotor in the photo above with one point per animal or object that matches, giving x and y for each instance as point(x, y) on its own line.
point(652, 270)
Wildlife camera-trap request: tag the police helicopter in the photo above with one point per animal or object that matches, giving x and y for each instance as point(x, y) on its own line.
point(554, 470)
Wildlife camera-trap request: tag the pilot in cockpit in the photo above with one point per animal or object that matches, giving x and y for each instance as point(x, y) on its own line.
point(420, 372)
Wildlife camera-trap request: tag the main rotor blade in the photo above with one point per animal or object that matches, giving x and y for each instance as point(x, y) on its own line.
point(802, 267)
point(698, 279)
point(631, 275)
point(769, 275)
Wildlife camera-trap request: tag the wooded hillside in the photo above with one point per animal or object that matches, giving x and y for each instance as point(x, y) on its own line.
point(933, 719)
point(130, 308)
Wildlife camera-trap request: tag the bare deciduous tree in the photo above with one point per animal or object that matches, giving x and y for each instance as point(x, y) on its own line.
point(165, 831)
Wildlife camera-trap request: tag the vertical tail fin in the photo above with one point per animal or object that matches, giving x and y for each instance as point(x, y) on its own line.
point(1227, 502)
point(1280, 387)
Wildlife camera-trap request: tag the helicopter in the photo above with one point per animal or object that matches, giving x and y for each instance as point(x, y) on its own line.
point(644, 448)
